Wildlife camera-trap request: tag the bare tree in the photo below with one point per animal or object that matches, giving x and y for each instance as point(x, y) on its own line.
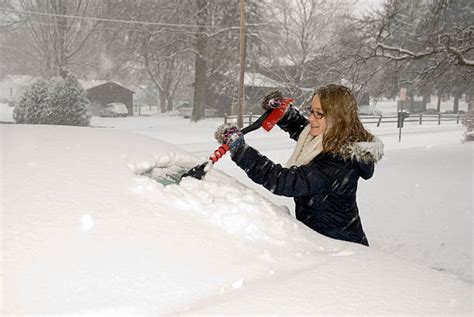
point(217, 50)
point(174, 39)
point(439, 30)
point(431, 40)
point(164, 68)
point(302, 30)
point(153, 48)
point(58, 30)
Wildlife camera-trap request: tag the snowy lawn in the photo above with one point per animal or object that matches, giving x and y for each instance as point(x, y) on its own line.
point(81, 233)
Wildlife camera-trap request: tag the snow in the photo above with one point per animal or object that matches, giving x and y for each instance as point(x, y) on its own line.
point(259, 80)
point(21, 80)
point(6, 113)
point(389, 106)
point(83, 233)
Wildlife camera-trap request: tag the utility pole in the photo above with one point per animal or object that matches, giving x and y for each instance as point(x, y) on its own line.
point(400, 113)
point(243, 45)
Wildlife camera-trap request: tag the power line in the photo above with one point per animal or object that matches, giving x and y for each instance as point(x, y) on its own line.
point(171, 31)
point(107, 20)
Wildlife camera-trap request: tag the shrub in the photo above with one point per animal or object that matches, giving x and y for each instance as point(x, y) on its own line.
point(33, 104)
point(468, 122)
point(58, 101)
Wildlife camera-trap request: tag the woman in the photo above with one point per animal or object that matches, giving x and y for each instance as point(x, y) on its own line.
point(333, 151)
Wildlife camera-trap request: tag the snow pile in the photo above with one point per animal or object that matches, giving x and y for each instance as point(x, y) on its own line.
point(83, 233)
point(218, 199)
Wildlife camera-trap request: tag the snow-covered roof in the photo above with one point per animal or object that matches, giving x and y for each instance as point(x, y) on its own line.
point(87, 84)
point(259, 80)
point(284, 61)
point(21, 80)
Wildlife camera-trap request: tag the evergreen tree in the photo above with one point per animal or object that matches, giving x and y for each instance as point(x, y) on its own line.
point(58, 101)
point(33, 104)
point(68, 105)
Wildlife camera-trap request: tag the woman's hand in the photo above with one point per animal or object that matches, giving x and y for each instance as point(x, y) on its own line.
point(230, 135)
point(272, 100)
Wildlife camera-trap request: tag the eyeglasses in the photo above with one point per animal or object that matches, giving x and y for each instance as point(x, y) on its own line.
point(315, 114)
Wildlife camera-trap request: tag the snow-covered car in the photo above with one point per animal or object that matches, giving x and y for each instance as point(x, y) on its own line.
point(114, 109)
point(86, 233)
point(430, 111)
point(186, 111)
point(369, 110)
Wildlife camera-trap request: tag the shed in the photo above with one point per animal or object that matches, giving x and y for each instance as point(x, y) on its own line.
point(101, 93)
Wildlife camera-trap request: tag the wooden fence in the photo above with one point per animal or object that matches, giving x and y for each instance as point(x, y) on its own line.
point(247, 118)
point(377, 119)
point(419, 118)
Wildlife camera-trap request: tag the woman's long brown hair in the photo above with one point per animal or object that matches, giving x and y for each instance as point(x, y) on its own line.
point(343, 123)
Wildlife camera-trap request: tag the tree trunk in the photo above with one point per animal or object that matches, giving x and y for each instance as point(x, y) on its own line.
point(410, 99)
point(199, 88)
point(61, 30)
point(426, 100)
point(169, 103)
point(200, 65)
point(457, 96)
point(364, 99)
point(242, 55)
point(48, 66)
point(438, 106)
point(162, 101)
point(470, 101)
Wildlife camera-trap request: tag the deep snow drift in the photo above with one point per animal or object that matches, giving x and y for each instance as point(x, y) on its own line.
point(82, 233)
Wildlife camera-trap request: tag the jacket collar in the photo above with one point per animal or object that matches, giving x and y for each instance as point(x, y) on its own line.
point(364, 152)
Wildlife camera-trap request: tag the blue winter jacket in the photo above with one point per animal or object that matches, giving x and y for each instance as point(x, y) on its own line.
point(325, 189)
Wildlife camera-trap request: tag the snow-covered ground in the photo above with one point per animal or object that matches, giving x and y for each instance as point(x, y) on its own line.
point(81, 233)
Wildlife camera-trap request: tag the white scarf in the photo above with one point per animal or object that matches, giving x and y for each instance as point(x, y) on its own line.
point(307, 148)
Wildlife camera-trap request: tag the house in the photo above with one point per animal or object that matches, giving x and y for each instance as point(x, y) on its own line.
point(13, 86)
point(103, 92)
point(257, 80)
point(256, 85)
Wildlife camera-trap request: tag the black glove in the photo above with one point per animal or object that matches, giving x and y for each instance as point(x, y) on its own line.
point(230, 135)
point(272, 100)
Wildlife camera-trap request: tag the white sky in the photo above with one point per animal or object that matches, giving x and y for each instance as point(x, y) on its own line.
point(362, 6)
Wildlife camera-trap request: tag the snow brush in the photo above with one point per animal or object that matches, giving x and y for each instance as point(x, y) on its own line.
point(267, 121)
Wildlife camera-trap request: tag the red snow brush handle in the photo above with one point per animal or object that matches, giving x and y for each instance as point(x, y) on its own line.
point(276, 114)
point(223, 149)
point(266, 120)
